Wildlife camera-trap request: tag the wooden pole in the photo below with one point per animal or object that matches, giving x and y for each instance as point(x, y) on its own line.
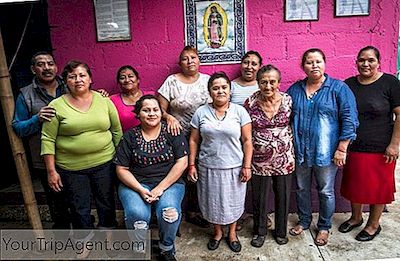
point(7, 103)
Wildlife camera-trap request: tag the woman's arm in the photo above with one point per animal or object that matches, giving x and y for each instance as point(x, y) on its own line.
point(173, 175)
point(392, 151)
point(247, 151)
point(348, 117)
point(339, 158)
point(53, 178)
point(115, 128)
point(126, 177)
point(193, 145)
point(173, 125)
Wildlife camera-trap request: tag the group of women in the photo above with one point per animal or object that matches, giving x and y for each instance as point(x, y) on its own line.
point(224, 134)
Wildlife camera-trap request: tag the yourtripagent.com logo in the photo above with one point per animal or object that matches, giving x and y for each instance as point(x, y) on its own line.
point(75, 244)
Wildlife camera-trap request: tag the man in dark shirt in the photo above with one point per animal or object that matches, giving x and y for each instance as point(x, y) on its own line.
point(31, 110)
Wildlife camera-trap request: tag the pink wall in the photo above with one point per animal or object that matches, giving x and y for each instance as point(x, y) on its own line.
point(157, 29)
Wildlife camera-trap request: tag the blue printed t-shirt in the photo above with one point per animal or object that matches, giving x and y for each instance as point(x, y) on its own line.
point(320, 122)
point(221, 147)
point(150, 161)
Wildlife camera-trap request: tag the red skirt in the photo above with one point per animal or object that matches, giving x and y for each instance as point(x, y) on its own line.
point(367, 179)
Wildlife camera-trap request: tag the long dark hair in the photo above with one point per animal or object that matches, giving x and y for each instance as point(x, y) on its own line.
point(215, 76)
point(312, 50)
point(127, 67)
point(374, 49)
point(72, 65)
point(139, 104)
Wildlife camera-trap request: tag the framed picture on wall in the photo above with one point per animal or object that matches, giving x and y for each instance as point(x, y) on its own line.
point(216, 29)
point(112, 20)
point(301, 10)
point(351, 7)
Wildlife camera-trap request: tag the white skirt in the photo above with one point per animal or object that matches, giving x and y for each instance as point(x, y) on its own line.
point(221, 195)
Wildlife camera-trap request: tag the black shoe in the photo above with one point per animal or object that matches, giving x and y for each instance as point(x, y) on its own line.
point(347, 227)
point(167, 256)
point(280, 240)
point(257, 241)
point(213, 244)
point(364, 236)
point(235, 246)
point(198, 221)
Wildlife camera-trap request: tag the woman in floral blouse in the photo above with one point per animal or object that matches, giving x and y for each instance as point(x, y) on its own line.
point(273, 157)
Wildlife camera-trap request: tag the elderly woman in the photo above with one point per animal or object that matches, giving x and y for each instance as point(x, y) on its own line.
point(324, 123)
point(78, 146)
point(150, 162)
point(224, 129)
point(368, 176)
point(180, 95)
point(246, 84)
point(273, 159)
point(242, 88)
point(128, 81)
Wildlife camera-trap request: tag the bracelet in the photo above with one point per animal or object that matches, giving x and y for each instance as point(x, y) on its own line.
point(341, 150)
point(243, 167)
point(191, 166)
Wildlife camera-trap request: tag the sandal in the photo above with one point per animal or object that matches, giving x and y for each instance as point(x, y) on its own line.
point(322, 238)
point(297, 230)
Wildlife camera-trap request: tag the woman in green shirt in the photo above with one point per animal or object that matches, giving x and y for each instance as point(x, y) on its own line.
point(78, 145)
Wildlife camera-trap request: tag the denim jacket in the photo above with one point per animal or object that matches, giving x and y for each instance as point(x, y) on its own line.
point(320, 122)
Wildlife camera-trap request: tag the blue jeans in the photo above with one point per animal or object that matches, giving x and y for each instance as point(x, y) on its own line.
point(135, 209)
point(79, 186)
point(325, 179)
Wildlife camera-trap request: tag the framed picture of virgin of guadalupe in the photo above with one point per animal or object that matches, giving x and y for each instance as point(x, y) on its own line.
point(216, 29)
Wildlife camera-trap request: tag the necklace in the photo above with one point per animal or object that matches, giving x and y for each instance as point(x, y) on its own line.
point(222, 115)
point(271, 108)
point(313, 88)
point(131, 99)
point(311, 95)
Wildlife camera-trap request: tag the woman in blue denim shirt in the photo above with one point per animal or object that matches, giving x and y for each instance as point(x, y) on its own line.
point(324, 123)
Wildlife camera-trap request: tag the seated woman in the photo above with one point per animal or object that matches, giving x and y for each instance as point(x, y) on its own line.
point(150, 162)
point(128, 81)
point(223, 131)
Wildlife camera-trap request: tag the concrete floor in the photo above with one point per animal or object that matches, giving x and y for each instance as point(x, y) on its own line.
point(192, 244)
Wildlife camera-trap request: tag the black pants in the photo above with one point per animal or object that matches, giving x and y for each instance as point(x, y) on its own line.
point(57, 202)
point(261, 186)
point(80, 185)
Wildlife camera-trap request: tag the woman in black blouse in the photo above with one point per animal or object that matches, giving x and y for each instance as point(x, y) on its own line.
point(368, 176)
point(150, 162)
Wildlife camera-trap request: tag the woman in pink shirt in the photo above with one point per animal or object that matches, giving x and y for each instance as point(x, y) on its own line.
point(128, 80)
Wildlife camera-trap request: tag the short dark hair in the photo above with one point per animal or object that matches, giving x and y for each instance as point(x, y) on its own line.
point(215, 76)
point(251, 52)
point(312, 50)
point(33, 59)
point(188, 48)
point(139, 104)
point(268, 68)
point(72, 65)
point(127, 67)
point(373, 48)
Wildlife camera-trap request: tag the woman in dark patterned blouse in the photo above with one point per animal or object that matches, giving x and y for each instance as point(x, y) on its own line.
point(273, 158)
point(150, 162)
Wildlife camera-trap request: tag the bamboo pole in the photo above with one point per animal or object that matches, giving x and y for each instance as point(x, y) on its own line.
point(7, 103)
